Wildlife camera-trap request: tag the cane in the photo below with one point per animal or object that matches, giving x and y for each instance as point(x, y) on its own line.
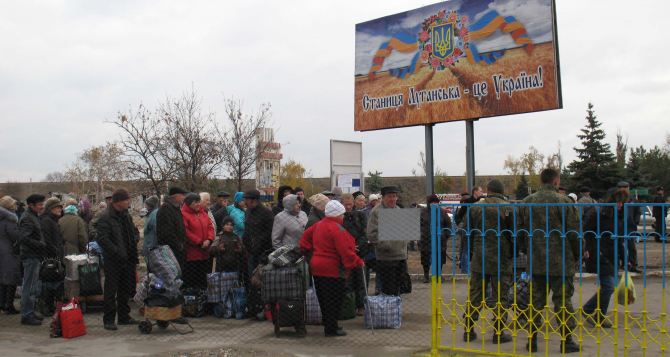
point(367, 304)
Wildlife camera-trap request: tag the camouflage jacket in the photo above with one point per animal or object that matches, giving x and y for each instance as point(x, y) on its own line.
point(488, 254)
point(551, 222)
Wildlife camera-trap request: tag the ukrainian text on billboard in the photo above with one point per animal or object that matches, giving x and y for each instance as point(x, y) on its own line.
point(456, 60)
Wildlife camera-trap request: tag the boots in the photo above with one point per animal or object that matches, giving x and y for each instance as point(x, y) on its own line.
point(426, 275)
point(532, 345)
point(469, 335)
point(569, 346)
point(7, 293)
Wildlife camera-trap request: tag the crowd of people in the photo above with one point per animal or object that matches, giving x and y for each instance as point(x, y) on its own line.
point(338, 233)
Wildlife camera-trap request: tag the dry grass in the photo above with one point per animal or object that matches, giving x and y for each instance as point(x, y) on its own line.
point(463, 74)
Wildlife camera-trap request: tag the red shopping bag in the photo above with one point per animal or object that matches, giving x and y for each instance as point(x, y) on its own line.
point(72, 320)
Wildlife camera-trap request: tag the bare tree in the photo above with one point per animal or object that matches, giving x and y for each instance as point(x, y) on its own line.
point(144, 149)
point(241, 147)
point(56, 176)
point(103, 164)
point(191, 139)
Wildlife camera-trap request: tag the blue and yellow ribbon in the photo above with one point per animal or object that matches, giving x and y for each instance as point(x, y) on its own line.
point(400, 42)
point(487, 26)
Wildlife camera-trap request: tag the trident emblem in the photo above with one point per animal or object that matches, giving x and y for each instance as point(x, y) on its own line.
point(443, 40)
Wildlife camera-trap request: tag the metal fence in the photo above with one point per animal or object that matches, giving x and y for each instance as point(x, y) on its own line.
point(520, 253)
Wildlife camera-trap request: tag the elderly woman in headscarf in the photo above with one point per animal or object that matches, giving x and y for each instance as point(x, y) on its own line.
point(289, 224)
point(10, 264)
point(334, 255)
point(73, 229)
point(317, 213)
point(236, 212)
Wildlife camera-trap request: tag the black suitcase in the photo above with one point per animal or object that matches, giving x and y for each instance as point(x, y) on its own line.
point(289, 313)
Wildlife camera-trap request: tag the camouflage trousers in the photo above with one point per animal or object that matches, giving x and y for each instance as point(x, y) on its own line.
point(562, 303)
point(478, 286)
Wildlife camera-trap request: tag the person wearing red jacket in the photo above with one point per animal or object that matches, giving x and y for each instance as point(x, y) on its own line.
point(199, 235)
point(334, 255)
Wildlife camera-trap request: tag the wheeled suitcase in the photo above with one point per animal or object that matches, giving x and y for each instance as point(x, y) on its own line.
point(289, 313)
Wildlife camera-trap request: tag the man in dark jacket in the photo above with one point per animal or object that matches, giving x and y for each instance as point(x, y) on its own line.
point(170, 229)
point(52, 291)
point(220, 209)
point(257, 240)
point(355, 223)
point(425, 244)
point(305, 206)
point(282, 192)
point(116, 236)
point(659, 213)
point(32, 252)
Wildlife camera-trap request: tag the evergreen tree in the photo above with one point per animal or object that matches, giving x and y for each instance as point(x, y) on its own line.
point(374, 183)
point(522, 188)
point(595, 165)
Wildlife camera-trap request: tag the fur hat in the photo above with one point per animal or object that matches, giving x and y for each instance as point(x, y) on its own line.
point(334, 209)
point(319, 201)
point(174, 190)
point(120, 194)
point(8, 202)
point(35, 198)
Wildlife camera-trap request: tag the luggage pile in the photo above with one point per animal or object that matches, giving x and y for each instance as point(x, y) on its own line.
point(283, 290)
point(84, 280)
point(160, 292)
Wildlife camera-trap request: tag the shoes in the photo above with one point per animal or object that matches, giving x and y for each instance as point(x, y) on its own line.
point(337, 333)
point(180, 320)
point(130, 321)
point(110, 326)
point(38, 316)
point(532, 346)
point(360, 311)
point(569, 346)
point(30, 321)
point(426, 279)
point(503, 338)
point(469, 336)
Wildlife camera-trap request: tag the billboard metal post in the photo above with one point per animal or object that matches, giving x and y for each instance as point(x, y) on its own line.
point(430, 179)
point(470, 153)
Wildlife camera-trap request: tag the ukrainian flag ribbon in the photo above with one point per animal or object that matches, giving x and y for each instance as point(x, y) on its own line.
point(400, 42)
point(487, 26)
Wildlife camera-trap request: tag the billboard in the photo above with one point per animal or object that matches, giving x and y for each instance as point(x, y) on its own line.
point(456, 60)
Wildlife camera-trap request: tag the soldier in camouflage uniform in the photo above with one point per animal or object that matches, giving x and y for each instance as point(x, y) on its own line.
point(547, 264)
point(490, 265)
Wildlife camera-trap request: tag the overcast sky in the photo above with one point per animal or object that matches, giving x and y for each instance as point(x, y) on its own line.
point(67, 66)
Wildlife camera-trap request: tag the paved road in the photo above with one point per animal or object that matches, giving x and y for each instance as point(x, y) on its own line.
point(215, 337)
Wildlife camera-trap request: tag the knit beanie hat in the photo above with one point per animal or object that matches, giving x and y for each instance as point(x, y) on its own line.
point(191, 197)
point(319, 201)
point(239, 196)
point(152, 202)
point(334, 209)
point(71, 209)
point(51, 203)
point(120, 194)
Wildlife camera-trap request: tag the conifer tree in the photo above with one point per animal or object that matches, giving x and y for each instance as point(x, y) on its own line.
point(595, 165)
point(522, 188)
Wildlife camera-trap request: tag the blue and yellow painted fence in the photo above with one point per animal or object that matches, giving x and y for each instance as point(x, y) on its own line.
point(638, 328)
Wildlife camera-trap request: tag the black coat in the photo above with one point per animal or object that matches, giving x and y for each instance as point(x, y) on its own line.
point(170, 229)
point(116, 236)
point(32, 239)
point(219, 213)
point(52, 236)
point(355, 222)
point(258, 230)
point(606, 251)
point(425, 244)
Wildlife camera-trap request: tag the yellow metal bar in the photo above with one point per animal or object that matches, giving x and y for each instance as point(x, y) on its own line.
point(433, 317)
